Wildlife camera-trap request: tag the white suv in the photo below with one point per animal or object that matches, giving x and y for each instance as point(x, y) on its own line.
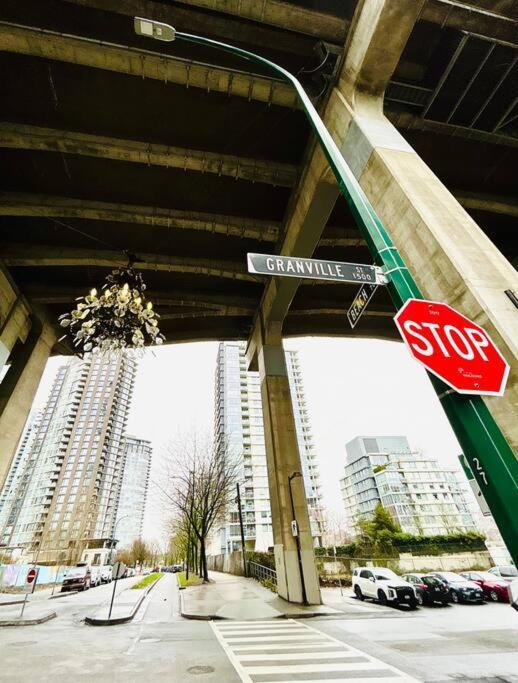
point(384, 585)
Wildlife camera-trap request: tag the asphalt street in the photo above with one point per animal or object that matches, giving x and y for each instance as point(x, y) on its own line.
point(457, 643)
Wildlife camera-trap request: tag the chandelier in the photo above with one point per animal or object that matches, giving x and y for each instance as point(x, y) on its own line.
point(119, 318)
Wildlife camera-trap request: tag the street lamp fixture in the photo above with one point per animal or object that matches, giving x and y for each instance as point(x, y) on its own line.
point(154, 29)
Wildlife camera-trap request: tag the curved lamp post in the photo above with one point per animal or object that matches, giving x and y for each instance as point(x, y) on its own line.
point(113, 537)
point(491, 457)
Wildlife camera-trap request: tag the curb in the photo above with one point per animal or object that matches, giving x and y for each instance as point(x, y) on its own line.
point(11, 602)
point(92, 621)
point(62, 595)
point(28, 622)
point(180, 587)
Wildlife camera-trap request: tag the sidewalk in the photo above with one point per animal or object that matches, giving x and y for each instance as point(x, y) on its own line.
point(125, 605)
point(234, 597)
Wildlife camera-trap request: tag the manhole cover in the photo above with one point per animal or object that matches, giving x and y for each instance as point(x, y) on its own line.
point(149, 640)
point(200, 670)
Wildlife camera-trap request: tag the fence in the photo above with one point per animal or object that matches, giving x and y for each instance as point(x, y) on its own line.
point(13, 576)
point(262, 573)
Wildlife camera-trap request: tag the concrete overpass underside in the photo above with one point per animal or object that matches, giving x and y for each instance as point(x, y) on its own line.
point(189, 158)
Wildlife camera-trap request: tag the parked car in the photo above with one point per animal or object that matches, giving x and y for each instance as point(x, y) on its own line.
point(95, 577)
point(495, 588)
point(106, 573)
point(460, 589)
point(77, 579)
point(507, 572)
point(177, 568)
point(384, 585)
point(429, 589)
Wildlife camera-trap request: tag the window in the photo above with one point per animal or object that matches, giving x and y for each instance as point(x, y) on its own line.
point(365, 574)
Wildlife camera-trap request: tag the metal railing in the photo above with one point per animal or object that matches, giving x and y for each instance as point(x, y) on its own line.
point(261, 573)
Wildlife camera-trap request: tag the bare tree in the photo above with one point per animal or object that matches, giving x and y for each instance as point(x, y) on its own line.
point(198, 485)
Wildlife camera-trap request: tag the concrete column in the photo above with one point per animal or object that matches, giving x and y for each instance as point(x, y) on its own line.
point(19, 386)
point(283, 459)
point(447, 253)
point(14, 316)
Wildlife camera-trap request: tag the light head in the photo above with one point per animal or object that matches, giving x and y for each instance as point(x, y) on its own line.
point(154, 29)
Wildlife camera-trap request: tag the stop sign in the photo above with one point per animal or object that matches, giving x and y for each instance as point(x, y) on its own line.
point(453, 347)
point(31, 575)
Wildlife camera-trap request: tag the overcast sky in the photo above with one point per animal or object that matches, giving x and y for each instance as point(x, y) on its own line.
point(353, 387)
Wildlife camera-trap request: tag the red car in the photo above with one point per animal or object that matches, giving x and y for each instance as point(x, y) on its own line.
point(494, 588)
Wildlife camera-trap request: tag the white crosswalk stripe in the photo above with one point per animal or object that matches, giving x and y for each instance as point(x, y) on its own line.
point(291, 651)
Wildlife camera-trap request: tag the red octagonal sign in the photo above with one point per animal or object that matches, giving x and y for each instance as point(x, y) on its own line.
point(455, 349)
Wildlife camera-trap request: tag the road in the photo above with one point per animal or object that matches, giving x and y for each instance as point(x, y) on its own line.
point(457, 643)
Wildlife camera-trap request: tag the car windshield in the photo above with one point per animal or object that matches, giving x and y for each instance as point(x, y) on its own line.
point(508, 571)
point(486, 576)
point(431, 580)
point(75, 572)
point(452, 577)
point(385, 574)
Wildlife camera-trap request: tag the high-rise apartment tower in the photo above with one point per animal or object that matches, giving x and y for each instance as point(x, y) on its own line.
point(239, 430)
point(134, 490)
point(69, 466)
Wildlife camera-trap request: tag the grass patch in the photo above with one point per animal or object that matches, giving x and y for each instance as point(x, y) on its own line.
point(147, 580)
point(193, 580)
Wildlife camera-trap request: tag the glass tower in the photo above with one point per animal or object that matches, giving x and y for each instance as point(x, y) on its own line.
point(423, 497)
point(134, 490)
point(69, 464)
point(239, 431)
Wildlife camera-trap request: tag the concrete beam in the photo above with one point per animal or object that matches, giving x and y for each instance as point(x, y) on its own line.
point(48, 206)
point(25, 255)
point(47, 294)
point(507, 206)
point(282, 14)
point(132, 61)
point(191, 19)
point(406, 120)
point(464, 16)
point(19, 136)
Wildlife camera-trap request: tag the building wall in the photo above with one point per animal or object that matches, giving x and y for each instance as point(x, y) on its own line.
point(134, 490)
point(239, 432)
point(73, 473)
point(423, 497)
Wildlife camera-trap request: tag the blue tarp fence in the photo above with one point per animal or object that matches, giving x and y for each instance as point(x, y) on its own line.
point(13, 575)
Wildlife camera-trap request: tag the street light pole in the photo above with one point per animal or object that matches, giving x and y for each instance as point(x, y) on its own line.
point(297, 538)
point(491, 458)
point(238, 501)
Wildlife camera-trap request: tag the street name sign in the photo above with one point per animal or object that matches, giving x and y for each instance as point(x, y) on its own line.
point(360, 303)
point(314, 269)
point(452, 347)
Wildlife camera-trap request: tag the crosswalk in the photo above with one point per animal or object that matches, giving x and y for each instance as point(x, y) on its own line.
point(285, 650)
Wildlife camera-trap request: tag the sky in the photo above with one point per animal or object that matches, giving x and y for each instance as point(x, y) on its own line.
point(354, 387)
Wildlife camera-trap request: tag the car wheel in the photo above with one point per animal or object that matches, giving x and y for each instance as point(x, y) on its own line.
point(444, 603)
point(413, 603)
point(382, 597)
point(358, 593)
point(493, 595)
point(420, 600)
point(455, 597)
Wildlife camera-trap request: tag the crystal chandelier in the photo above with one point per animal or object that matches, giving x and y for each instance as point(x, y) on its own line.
point(119, 318)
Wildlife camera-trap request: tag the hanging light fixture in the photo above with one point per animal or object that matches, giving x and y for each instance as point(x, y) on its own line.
point(118, 318)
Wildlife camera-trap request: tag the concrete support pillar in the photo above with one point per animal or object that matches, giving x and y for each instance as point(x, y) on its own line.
point(449, 256)
point(283, 460)
point(14, 316)
point(19, 386)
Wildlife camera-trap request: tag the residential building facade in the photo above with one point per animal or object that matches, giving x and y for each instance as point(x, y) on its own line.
point(70, 474)
point(134, 490)
point(239, 431)
point(423, 497)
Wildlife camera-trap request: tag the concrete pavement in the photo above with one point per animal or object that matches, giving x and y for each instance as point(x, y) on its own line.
point(234, 597)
